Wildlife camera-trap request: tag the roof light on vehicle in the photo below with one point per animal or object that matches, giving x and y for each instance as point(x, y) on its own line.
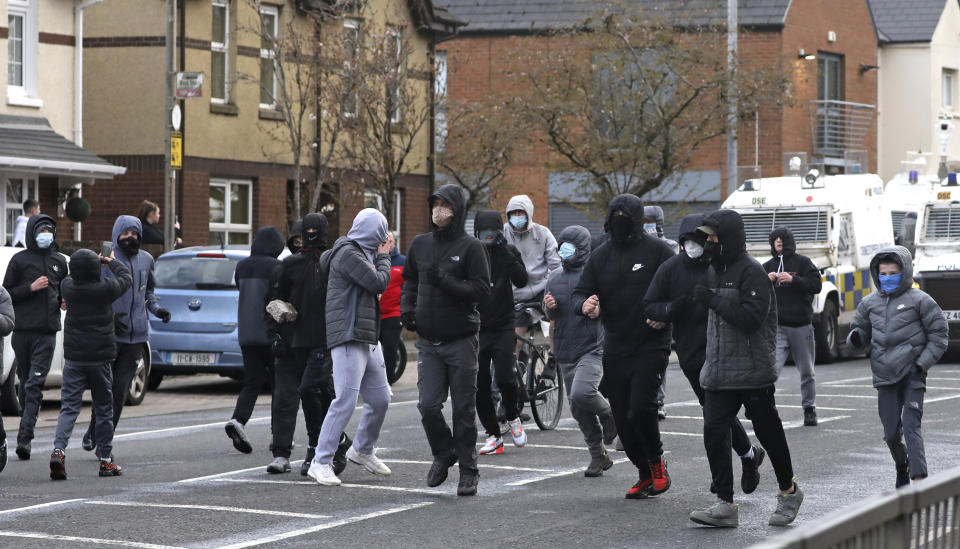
point(952, 179)
point(213, 256)
point(913, 177)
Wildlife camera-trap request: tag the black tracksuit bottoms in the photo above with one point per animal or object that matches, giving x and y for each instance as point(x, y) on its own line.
point(720, 408)
point(741, 442)
point(304, 377)
point(497, 347)
point(630, 384)
point(257, 371)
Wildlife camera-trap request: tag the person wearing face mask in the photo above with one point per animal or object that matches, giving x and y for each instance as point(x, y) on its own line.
point(538, 248)
point(796, 280)
point(359, 270)
point(670, 301)
point(497, 334)
point(653, 226)
point(130, 312)
point(635, 355)
point(907, 334)
point(304, 369)
point(740, 368)
point(446, 275)
point(33, 282)
point(578, 347)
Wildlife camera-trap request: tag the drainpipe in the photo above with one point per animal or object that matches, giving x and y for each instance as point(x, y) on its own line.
point(78, 84)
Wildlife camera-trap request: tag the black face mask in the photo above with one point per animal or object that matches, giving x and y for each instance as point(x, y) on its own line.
point(621, 227)
point(312, 239)
point(711, 251)
point(129, 245)
point(489, 236)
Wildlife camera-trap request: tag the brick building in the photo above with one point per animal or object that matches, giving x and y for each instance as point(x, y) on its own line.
point(828, 47)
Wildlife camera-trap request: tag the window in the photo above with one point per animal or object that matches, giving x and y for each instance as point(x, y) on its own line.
point(394, 48)
point(269, 24)
point(231, 211)
point(17, 190)
point(949, 89)
point(219, 52)
point(351, 45)
point(22, 42)
point(829, 76)
point(440, 90)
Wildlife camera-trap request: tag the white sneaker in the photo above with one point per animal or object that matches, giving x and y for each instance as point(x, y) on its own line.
point(519, 437)
point(369, 461)
point(494, 445)
point(323, 474)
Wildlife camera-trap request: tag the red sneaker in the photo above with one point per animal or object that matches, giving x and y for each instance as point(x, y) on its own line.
point(661, 479)
point(58, 467)
point(640, 490)
point(110, 469)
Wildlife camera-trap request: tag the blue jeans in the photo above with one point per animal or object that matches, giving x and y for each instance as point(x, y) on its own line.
point(99, 379)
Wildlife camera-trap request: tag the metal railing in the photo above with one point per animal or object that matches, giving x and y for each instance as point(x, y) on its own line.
point(923, 515)
point(839, 126)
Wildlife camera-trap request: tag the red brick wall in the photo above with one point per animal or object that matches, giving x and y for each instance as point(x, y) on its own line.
point(195, 212)
point(270, 203)
point(119, 196)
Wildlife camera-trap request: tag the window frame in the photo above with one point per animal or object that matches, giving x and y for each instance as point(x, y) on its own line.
point(227, 226)
point(356, 26)
point(948, 88)
point(396, 116)
point(824, 60)
point(268, 54)
point(29, 182)
point(440, 99)
point(224, 48)
point(25, 94)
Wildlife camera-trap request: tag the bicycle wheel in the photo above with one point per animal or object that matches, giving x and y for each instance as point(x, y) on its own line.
point(401, 365)
point(547, 402)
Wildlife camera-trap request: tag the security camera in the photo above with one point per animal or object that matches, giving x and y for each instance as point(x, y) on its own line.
point(945, 128)
point(811, 177)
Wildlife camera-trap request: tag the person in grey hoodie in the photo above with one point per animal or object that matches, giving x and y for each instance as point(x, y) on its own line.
point(907, 334)
point(578, 347)
point(359, 270)
point(6, 326)
point(130, 314)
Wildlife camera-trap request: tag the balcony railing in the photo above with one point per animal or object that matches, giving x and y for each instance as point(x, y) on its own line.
point(839, 126)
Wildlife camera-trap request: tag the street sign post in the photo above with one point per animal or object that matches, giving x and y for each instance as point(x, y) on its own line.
point(176, 150)
point(189, 84)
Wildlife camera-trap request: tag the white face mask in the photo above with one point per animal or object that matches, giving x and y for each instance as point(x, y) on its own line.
point(693, 250)
point(650, 228)
point(442, 216)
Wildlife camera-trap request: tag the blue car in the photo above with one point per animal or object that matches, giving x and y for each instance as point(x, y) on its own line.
point(198, 287)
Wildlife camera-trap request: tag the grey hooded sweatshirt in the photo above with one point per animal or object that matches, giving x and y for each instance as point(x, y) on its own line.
point(575, 334)
point(357, 274)
point(905, 328)
point(537, 246)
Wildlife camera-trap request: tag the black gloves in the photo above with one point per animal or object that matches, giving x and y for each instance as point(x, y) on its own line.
point(855, 338)
point(409, 321)
point(679, 305)
point(703, 295)
point(278, 347)
point(163, 315)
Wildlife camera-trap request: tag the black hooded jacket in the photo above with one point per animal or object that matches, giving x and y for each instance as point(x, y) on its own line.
point(446, 275)
point(36, 311)
point(253, 279)
point(669, 299)
point(506, 268)
point(619, 273)
point(298, 280)
point(88, 333)
point(742, 324)
point(794, 298)
point(574, 335)
point(295, 232)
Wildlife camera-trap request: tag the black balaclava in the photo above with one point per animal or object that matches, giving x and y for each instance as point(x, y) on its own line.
point(85, 266)
point(295, 232)
point(130, 245)
point(314, 231)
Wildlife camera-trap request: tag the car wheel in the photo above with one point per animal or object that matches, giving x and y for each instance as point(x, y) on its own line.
point(138, 387)
point(826, 335)
point(9, 403)
point(153, 382)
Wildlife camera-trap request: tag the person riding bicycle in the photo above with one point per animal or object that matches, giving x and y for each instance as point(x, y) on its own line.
point(497, 333)
point(578, 347)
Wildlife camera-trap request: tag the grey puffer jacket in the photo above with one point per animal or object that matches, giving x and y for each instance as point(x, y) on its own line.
point(742, 323)
point(537, 247)
point(354, 281)
point(575, 334)
point(905, 328)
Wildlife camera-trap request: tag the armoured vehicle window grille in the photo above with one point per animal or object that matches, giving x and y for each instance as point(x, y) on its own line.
point(943, 223)
point(807, 225)
point(896, 217)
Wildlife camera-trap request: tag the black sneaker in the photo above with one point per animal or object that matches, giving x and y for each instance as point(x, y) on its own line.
point(340, 457)
point(87, 442)
point(305, 466)
point(58, 465)
point(751, 470)
point(903, 475)
point(468, 483)
point(236, 433)
point(110, 469)
point(598, 466)
point(3, 455)
point(810, 417)
point(23, 450)
point(661, 411)
point(438, 471)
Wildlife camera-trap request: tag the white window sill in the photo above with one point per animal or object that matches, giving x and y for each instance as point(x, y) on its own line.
point(23, 101)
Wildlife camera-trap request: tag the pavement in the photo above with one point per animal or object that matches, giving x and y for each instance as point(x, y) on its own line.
point(185, 486)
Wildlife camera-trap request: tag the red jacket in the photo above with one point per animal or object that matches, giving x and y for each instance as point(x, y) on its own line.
point(390, 299)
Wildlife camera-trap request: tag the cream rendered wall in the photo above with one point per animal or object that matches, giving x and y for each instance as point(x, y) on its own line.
point(945, 54)
point(904, 91)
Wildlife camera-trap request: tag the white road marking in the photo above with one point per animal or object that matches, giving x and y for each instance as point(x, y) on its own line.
point(684, 403)
point(681, 434)
point(228, 473)
point(555, 474)
point(824, 395)
point(940, 399)
point(344, 485)
point(266, 512)
point(557, 447)
point(56, 537)
point(39, 506)
point(848, 380)
point(326, 526)
point(481, 465)
point(818, 408)
point(787, 425)
point(871, 386)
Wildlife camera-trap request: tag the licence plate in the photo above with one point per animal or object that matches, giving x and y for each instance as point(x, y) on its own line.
point(193, 359)
point(951, 316)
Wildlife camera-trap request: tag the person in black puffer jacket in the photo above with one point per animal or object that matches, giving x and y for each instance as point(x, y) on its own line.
point(446, 275)
point(670, 300)
point(89, 347)
point(614, 281)
point(740, 368)
point(497, 340)
point(253, 278)
point(796, 281)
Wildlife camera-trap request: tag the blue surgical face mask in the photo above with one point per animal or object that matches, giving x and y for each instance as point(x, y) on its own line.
point(650, 228)
point(890, 283)
point(44, 240)
point(518, 221)
point(566, 251)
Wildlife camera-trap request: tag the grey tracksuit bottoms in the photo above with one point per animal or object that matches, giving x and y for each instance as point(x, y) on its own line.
point(587, 405)
point(99, 379)
point(798, 341)
point(358, 369)
point(901, 409)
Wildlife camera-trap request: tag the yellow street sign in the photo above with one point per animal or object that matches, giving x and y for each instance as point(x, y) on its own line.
point(176, 150)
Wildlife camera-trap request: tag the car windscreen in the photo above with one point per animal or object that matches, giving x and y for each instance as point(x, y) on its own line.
point(196, 272)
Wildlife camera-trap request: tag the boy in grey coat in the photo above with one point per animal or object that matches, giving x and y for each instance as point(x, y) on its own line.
point(907, 334)
point(359, 270)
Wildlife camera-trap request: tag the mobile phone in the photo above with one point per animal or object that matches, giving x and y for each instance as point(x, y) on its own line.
point(105, 248)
